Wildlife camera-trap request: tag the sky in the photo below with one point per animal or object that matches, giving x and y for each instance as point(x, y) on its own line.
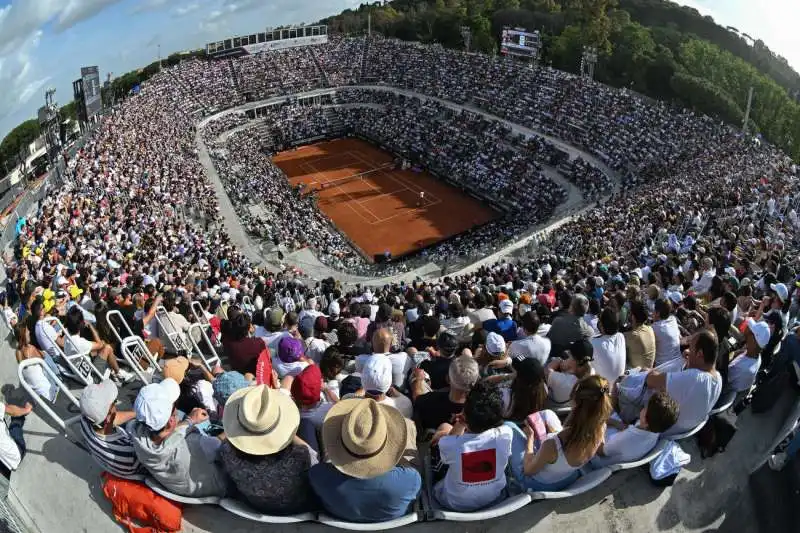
point(43, 43)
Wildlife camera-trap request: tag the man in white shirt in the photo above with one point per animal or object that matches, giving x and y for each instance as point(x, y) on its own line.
point(702, 285)
point(696, 388)
point(667, 334)
point(609, 347)
point(533, 345)
point(12, 442)
point(381, 345)
point(744, 367)
point(376, 382)
point(315, 344)
point(272, 332)
point(476, 449)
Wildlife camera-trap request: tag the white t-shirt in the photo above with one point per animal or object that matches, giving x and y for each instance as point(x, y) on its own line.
point(533, 346)
point(315, 348)
point(476, 474)
point(401, 364)
point(44, 333)
point(287, 369)
point(77, 345)
point(609, 356)
point(668, 340)
point(696, 392)
point(560, 385)
point(625, 446)
point(9, 452)
point(742, 372)
point(39, 382)
point(401, 403)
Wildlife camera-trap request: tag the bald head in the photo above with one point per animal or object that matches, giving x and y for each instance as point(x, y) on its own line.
point(382, 341)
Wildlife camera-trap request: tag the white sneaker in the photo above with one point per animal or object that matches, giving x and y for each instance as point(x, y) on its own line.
point(125, 376)
point(778, 461)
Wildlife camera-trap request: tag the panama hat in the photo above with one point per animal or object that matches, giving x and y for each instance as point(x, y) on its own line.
point(259, 420)
point(364, 439)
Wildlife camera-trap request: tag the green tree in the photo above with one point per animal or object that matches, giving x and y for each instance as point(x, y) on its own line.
point(17, 139)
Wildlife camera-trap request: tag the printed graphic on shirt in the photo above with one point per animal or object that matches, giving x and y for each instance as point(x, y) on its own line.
point(478, 467)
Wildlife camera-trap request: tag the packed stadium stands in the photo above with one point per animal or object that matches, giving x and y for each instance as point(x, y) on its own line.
point(321, 384)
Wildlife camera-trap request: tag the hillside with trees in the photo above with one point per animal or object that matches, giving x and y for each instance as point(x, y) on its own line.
point(655, 47)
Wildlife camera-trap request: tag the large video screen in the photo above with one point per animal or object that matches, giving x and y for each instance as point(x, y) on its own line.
point(91, 90)
point(520, 42)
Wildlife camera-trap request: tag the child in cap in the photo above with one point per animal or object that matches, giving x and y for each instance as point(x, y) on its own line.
point(497, 360)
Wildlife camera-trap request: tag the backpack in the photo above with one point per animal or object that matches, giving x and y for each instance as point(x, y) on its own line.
point(716, 434)
point(134, 502)
point(769, 391)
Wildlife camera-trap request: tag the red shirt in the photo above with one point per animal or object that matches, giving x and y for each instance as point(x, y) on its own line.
point(243, 354)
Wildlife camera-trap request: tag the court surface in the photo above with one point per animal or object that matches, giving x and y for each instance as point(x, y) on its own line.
point(381, 210)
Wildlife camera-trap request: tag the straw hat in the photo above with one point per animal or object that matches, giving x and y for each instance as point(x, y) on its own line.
point(259, 420)
point(363, 438)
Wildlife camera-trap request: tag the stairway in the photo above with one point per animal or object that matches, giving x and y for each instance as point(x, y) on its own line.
point(335, 122)
point(364, 54)
point(325, 80)
point(235, 78)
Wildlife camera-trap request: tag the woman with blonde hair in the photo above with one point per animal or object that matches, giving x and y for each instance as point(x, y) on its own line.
point(555, 463)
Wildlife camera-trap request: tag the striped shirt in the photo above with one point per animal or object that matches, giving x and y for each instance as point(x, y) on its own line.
point(114, 453)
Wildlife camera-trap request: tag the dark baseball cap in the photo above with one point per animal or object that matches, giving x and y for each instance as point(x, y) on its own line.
point(581, 350)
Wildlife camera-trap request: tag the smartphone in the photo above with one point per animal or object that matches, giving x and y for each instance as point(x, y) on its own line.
point(536, 423)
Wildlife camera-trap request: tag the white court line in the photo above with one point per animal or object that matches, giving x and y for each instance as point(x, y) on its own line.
point(405, 185)
point(351, 200)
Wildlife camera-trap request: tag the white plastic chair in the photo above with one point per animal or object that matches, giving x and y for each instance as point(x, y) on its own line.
point(209, 361)
point(507, 506)
point(728, 403)
point(43, 403)
point(200, 317)
point(583, 484)
point(368, 526)
point(647, 459)
point(174, 335)
point(245, 511)
point(692, 432)
point(133, 348)
point(79, 363)
point(156, 487)
point(247, 305)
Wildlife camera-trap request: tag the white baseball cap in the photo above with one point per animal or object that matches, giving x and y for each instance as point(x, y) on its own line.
point(760, 331)
point(333, 309)
point(495, 344)
point(96, 400)
point(376, 375)
point(153, 405)
point(781, 290)
point(506, 307)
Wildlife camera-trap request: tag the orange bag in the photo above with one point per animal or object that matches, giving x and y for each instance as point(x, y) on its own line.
point(135, 502)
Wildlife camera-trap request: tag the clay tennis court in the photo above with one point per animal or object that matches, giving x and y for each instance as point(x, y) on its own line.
point(381, 210)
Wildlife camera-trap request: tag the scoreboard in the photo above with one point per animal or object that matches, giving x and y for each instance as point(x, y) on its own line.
point(520, 42)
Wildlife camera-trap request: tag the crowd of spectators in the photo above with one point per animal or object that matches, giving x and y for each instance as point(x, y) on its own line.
point(279, 72)
point(640, 294)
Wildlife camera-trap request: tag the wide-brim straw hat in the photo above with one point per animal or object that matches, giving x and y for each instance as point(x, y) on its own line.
point(364, 439)
point(259, 420)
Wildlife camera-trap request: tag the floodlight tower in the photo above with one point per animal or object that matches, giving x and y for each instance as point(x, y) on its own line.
point(588, 61)
point(466, 34)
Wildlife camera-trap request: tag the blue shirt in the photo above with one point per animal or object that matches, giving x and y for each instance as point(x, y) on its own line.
point(378, 499)
point(505, 327)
